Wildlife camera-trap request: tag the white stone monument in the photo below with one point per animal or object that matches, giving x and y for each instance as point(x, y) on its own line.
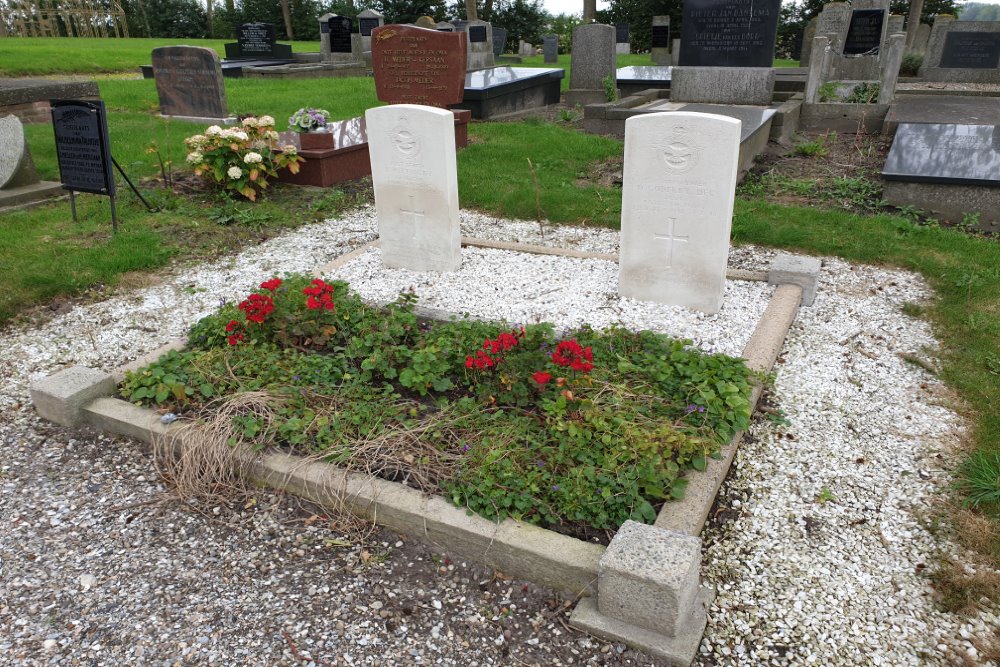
point(678, 189)
point(415, 177)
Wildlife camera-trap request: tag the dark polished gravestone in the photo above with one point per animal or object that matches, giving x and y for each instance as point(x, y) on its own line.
point(621, 33)
point(256, 41)
point(499, 40)
point(660, 37)
point(189, 83)
point(971, 50)
point(950, 171)
point(864, 34)
point(367, 24)
point(339, 28)
point(477, 34)
point(729, 33)
point(945, 153)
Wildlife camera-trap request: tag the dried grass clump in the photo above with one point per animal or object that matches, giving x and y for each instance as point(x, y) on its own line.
point(206, 459)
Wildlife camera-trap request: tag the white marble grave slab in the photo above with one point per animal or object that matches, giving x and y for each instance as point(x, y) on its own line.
point(679, 184)
point(415, 178)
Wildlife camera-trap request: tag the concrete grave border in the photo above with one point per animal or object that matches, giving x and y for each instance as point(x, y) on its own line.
point(626, 593)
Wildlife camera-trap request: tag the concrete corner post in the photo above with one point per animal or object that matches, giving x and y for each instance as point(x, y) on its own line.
point(796, 270)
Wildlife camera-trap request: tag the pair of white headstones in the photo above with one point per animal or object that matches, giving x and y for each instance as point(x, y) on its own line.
point(678, 188)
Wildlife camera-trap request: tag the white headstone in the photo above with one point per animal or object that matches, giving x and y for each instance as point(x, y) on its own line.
point(415, 178)
point(678, 189)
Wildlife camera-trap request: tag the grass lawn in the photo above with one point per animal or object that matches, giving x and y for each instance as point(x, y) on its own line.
point(42, 56)
point(494, 174)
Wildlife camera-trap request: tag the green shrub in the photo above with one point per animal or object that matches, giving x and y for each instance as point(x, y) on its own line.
point(910, 65)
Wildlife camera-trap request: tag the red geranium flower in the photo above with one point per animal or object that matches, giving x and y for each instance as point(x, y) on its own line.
point(572, 354)
point(257, 307)
point(235, 331)
point(320, 295)
point(541, 377)
point(272, 284)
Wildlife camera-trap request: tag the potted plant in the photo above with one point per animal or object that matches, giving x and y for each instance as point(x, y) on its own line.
point(310, 125)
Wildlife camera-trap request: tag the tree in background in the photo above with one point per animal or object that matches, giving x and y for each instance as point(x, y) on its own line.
point(639, 16)
point(978, 11)
point(563, 26)
point(523, 19)
point(165, 18)
point(408, 11)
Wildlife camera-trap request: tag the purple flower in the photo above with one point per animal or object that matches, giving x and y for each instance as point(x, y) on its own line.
point(540, 463)
point(694, 408)
point(465, 448)
point(295, 377)
point(555, 487)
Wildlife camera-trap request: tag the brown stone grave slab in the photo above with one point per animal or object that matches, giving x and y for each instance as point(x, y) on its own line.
point(189, 82)
point(419, 66)
point(348, 158)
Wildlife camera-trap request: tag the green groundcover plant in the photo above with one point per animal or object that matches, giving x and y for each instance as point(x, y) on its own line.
point(563, 429)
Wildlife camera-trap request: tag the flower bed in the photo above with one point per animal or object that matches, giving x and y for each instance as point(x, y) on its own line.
point(576, 432)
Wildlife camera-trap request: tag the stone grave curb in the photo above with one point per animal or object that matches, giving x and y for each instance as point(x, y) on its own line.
point(78, 395)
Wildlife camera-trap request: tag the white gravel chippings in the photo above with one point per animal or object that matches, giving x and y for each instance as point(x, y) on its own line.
point(819, 563)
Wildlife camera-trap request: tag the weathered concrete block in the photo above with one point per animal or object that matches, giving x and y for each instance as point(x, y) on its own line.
point(649, 577)
point(61, 397)
point(676, 651)
point(796, 270)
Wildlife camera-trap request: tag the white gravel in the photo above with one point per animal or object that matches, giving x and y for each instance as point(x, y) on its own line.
point(820, 562)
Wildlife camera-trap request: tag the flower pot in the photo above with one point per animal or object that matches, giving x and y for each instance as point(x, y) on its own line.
point(315, 141)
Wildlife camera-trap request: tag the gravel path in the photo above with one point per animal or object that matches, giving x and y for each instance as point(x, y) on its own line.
point(818, 562)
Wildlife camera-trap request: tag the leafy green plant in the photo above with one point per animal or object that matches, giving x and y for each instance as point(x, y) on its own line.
point(863, 93)
point(610, 88)
point(815, 148)
point(824, 496)
point(230, 212)
point(829, 92)
point(567, 115)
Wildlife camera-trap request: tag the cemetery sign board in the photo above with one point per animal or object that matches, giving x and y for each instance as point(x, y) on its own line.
point(82, 146)
point(419, 66)
point(729, 33)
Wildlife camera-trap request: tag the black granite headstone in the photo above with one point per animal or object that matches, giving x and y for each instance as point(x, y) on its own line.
point(944, 153)
point(660, 38)
point(340, 34)
point(366, 26)
point(972, 50)
point(621, 33)
point(864, 34)
point(256, 39)
point(82, 146)
point(729, 33)
point(477, 34)
point(499, 40)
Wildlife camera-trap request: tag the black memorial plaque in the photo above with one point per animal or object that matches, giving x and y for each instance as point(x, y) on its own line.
point(621, 33)
point(340, 28)
point(729, 33)
point(477, 34)
point(864, 34)
point(660, 38)
point(82, 146)
point(499, 40)
point(971, 50)
point(366, 26)
point(256, 39)
point(944, 153)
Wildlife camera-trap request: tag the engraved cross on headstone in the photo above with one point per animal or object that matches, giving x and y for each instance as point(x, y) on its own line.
point(670, 238)
point(412, 214)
